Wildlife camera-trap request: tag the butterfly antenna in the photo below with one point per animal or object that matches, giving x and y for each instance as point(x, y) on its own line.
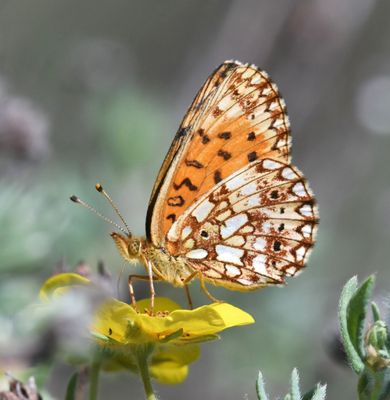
point(77, 200)
point(100, 189)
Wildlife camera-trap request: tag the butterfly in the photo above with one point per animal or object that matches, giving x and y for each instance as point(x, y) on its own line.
point(228, 207)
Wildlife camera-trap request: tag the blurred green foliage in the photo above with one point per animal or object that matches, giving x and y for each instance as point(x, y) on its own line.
point(367, 349)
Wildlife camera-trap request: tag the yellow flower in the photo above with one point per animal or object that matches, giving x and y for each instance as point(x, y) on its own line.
point(173, 331)
point(168, 339)
point(59, 284)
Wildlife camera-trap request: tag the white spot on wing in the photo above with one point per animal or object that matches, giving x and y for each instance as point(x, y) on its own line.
point(234, 183)
point(299, 189)
point(266, 226)
point(301, 253)
point(248, 189)
point(197, 254)
point(278, 122)
point(225, 103)
point(259, 244)
point(173, 234)
point(306, 210)
point(232, 270)
point(233, 224)
point(245, 282)
point(291, 270)
point(307, 230)
point(259, 264)
point(229, 254)
point(203, 210)
point(186, 231)
point(270, 164)
point(288, 173)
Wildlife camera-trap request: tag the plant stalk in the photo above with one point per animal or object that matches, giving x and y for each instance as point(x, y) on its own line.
point(94, 373)
point(142, 354)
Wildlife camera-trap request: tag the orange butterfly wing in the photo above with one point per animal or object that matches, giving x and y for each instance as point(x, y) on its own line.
point(252, 229)
point(237, 117)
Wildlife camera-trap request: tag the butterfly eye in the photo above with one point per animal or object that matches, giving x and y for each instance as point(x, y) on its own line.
point(204, 234)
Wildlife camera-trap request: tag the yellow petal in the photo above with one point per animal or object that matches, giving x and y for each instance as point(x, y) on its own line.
point(187, 324)
point(58, 284)
point(202, 321)
point(160, 304)
point(112, 320)
point(169, 364)
point(169, 373)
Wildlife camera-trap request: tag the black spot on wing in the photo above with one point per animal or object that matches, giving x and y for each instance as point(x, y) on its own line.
point(217, 176)
point(252, 156)
point(172, 217)
point(224, 154)
point(205, 139)
point(185, 182)
point(194, 163)
point(176, 201)
point(251, 136)
point(225, 135)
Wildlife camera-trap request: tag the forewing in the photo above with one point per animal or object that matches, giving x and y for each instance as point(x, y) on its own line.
point(253, 229)
point(237, 118)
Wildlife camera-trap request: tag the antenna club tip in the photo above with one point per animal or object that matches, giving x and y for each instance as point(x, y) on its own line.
point(99, 187)
point(74, 198)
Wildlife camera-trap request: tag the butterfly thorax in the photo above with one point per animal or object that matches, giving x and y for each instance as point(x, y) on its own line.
point(167, 267)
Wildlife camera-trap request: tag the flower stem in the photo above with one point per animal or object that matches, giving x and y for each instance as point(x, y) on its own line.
point(143, 352)
point(94, 380)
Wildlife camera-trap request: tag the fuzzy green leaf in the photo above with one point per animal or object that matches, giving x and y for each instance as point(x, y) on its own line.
point(374, 385)
point(347, 294)
point(375, 312)
point(357, 310)
point(72, 387)
point(318, 393)
point(260, 389)
point(295, 391)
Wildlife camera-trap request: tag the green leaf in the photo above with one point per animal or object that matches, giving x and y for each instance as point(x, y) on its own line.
point(374, 385)
point(357, 310)
point(375, 312)
point(72, 387)
point(347, 294)
point(260, 389)
point(295, 391)
point(318, 393)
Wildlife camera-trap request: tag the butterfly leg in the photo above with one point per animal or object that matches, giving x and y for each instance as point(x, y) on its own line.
point(189, 299)
point(206, 291)
point(187, 289)
point(132, 278)
point(202, 285)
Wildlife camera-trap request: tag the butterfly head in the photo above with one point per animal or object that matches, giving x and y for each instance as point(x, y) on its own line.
point(129, 247)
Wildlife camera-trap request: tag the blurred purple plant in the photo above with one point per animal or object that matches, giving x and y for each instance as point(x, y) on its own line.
point(20, 391)
point(24, 128)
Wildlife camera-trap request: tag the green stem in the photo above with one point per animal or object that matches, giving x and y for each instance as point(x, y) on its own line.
point(94, 380)
point(143, 353)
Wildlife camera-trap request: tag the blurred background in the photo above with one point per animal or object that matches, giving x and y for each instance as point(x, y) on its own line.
point(94, 91)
